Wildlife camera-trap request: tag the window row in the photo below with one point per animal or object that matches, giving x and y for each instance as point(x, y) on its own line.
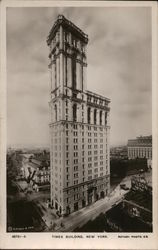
point(102, 116)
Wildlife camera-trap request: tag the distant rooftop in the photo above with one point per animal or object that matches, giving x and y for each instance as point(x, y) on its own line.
point(141, 141)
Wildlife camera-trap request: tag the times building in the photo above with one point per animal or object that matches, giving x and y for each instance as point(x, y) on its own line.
point(79, 126)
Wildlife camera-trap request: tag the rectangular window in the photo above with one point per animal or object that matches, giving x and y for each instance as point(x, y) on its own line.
point(76, 175)
point(89, 165)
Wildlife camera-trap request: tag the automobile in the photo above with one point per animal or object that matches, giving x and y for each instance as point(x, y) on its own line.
point(141, 170)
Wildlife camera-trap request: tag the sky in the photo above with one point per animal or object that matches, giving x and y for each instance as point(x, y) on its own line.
point(119, 67)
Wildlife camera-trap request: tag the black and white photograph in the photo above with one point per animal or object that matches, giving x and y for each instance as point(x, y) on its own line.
point(79, 125)
point(79, 121)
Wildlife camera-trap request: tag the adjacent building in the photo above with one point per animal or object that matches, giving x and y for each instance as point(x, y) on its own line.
point(36, 169)
point(134, 212)
point(79, 127)
point(141, 147)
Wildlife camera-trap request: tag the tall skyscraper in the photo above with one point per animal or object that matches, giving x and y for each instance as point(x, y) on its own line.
point(79, 127)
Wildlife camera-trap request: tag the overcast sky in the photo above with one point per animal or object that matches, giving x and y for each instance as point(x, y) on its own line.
point(119, 67)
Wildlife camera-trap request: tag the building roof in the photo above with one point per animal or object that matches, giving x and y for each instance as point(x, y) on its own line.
point(95, 95)
point(120, 217)
point(145, 141)
point(143, 199)
point(61, 20)
point(27, 156)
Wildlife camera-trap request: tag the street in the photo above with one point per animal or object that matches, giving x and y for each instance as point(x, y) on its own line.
point(79, 218)
point(76, 219)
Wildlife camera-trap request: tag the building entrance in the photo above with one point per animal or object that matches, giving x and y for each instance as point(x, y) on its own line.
point(102, 194)
point(96, 197)
point(67, 210)
point(76, 206)
point(83, 203)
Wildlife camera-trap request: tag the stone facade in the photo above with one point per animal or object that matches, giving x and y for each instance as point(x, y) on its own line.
point(141, 147)
point(79, 127)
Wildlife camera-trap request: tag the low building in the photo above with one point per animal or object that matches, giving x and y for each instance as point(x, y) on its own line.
point(42, 176)
point(141, 147)
point(119, 152)
point(37, 171)
point(134, 213)
point(138, 202)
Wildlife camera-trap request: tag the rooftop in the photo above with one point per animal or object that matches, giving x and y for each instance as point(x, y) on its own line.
point(141, 141)
point(120, 217)
point(61, 20)
point(142, 199)
point(97, 96)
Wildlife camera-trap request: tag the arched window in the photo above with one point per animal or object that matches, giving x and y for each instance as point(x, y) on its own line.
point(55, 110)
point(105, 118)
point(100, 117)
point(95, 116)
point(75, 112)
point(89, 115)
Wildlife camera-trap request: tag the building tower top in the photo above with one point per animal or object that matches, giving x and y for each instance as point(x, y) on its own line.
point(68, 59)
point(68, 25)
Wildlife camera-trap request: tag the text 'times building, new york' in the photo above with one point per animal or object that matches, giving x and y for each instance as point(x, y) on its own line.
point(79, 127)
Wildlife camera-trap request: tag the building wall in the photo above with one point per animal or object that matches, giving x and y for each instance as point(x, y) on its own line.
point(141, 147)
point(139, 152)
